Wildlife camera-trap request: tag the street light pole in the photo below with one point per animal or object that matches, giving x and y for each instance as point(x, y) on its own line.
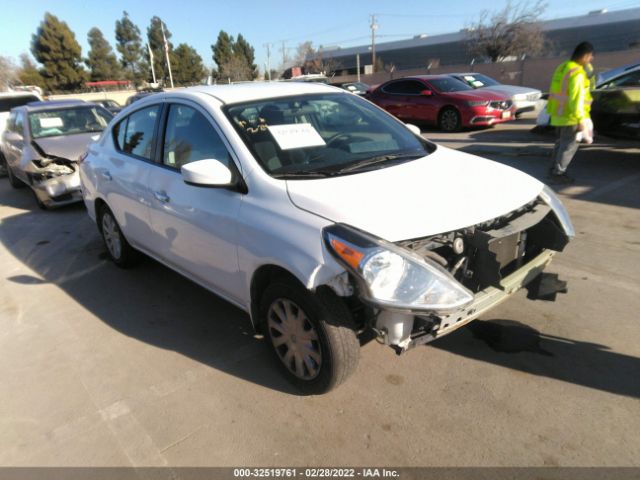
point(374, 27)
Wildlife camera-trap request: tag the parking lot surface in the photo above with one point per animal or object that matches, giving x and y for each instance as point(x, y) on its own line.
point(101, 367)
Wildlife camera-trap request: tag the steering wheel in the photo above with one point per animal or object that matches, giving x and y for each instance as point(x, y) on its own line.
point(340, 136)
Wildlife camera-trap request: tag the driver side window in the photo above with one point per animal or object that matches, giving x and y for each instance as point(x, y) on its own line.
point(190, 136)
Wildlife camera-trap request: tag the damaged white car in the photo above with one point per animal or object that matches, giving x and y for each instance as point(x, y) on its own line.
point(42, 144)
point(319, 214)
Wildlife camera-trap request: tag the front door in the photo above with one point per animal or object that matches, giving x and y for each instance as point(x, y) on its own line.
point(194, 228)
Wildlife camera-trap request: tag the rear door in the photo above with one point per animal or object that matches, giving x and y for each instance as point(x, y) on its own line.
point(402, 98)
point(122, 173)
point(14, 143)
point(194, 228)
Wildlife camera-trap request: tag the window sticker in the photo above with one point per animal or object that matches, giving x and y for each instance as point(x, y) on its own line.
point(477, 83)
point(51, 122)
point(296, 135)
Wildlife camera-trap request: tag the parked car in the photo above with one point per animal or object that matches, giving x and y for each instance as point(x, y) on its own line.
point(43, 141)
point(309, 78)
point(358, 88)
point(615, 110)
point(524, 98)
point(111, 105)
point(141, 94)
point(9, 100)
point(443, 101)
point(320, 215)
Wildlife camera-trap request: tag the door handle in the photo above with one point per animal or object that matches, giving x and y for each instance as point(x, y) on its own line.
point(161, 196)
point(106, 175)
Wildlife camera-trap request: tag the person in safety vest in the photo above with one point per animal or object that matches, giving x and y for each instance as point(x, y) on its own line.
point(569, 106)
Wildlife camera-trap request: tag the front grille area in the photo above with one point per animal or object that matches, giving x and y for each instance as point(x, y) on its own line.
point(501, 105)
point(482, 255)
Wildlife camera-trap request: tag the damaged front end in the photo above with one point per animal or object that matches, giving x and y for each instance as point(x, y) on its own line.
point(54, 180)
point(479, 266)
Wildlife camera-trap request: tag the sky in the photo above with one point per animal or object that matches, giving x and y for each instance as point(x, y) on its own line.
point(274, 22)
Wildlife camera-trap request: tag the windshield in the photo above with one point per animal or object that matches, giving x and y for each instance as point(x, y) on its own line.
point(322, 135)
point(68, 121)
point(8, 103)
point(478, 80)
point(446, 85)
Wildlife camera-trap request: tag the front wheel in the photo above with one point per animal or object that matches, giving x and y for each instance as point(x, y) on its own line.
point(449, 120)
point(311, 335)
point(13, 180)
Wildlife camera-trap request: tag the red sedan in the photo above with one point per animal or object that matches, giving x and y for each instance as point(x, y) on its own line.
point(442, 100)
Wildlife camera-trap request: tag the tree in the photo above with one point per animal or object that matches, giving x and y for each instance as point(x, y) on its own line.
point(156, 43)
point(129, 45)
point(188, 66)
point(512, 31)
point(8, 73)
point(242, 49)
point(54, 45)
point(101, 61)
point(235, 59)
point(222, 50)
point(28, 73)
point(303, 51)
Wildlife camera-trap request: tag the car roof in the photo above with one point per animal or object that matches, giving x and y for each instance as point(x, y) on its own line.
point(424, 77)
point(53, 104)
point(19, 94)
point(250, 91)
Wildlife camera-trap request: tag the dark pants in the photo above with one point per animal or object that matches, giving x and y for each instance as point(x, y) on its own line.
point(565, 148)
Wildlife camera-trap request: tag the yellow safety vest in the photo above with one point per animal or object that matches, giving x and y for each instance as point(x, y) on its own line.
point(569, 95)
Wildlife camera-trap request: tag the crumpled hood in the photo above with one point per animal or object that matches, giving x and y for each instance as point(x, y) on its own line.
point(441, 192)
point(67, 146)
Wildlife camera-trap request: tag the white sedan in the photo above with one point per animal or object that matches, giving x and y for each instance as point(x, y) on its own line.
point(320, 215)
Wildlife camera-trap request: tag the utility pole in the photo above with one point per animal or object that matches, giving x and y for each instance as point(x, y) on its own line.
point(358, 64)
point(374, 27)
point(268, 45)
point(284, 55)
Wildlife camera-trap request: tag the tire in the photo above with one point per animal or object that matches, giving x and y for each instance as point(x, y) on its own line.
point(118, 249)
point(13, 181)
point(449, 120)
point(332, 348)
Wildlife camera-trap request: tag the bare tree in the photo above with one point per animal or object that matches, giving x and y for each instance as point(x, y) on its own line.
point(513, 31)
point(7, 73)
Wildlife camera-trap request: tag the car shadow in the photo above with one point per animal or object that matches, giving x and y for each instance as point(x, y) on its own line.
point(517, 346)
point(149, 302)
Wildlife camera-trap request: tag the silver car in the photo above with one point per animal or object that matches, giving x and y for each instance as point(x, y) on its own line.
point(524, 98)
point(42, 144)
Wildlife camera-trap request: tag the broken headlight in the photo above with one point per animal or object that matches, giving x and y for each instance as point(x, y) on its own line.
point(393, 277)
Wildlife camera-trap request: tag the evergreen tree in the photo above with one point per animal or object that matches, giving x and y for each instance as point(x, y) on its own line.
point(244, 50)
point(132, 54)
point(28, 73)
point(101, 61)
point(235, 59)
point(156, 42)
point(188, 67)
point(222, 50)
point(54, 45)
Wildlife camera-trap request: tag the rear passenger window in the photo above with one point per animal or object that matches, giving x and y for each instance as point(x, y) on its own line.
point(189, 137)
point(134, 134)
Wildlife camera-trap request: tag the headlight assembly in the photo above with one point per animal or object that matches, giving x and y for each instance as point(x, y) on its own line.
point(393, 277)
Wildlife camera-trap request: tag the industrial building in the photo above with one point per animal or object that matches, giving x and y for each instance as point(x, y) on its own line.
point(607, 31)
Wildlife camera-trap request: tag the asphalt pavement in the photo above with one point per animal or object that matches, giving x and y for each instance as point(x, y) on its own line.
point(107, 367)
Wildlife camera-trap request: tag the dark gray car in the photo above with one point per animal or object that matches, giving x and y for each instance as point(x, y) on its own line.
point(42, 144)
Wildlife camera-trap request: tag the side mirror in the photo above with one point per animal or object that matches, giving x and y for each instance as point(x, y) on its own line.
point(12, 136)
point(426, 93)
point(414, 129)
point(207, 173)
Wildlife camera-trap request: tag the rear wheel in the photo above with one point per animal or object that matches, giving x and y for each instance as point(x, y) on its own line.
point(311, 335)
point(119, 250)
point(449, 120)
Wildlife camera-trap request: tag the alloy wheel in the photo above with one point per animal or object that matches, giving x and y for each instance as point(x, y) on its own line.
point(449, 120)
point(111, 234)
